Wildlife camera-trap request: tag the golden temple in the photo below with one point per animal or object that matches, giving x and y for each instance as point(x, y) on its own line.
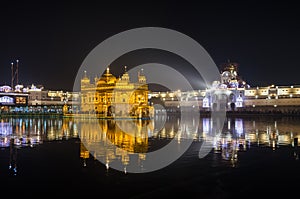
point(109, 96)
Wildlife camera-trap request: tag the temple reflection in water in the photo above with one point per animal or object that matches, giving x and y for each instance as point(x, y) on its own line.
point(129, 142)
point(238, 134)
point(115, 132)
point(18, 133)
point(33, 130)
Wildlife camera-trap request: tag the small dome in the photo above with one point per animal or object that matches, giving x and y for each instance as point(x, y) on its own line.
point(226, 74)
point(107, 79)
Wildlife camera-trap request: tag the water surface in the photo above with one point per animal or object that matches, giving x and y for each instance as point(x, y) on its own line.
point(67, 156)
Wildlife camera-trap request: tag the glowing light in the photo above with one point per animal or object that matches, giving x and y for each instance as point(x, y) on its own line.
point(273, 144)
point(6, 100)
point(239, 102)
point(205, 103)
point(239, 126)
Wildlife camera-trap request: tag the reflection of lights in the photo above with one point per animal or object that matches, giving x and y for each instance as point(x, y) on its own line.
point(172, 133)
point(179, 137)
point(254, 133)
point(251, 137)
point(29, 131)
point(142, 156)
point(205, 125)
point(283, 139)
point(239, 126)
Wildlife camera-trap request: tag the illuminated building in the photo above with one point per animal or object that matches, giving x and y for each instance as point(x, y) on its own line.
point(111, 96)
point(9, 98)
point(34, 99)
point(231, 93)
point(226, 94)
point(53, 101)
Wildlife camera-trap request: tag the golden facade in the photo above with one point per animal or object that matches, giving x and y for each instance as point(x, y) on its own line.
point(111, 96)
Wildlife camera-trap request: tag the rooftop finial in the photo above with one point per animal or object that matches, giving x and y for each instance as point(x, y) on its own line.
point(107, 70)
point(125, 68)
point(12, 75)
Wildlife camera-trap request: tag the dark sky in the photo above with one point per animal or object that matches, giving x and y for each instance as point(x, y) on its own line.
point(51, 39)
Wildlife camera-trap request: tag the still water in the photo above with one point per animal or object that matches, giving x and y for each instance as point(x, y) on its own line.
point(58, 156)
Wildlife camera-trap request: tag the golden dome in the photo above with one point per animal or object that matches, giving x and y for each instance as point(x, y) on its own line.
point(107, 78)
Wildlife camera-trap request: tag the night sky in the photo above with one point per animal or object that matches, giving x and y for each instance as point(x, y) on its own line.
point(51, 40)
